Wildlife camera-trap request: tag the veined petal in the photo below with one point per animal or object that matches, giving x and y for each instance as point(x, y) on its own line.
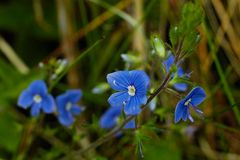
point(132, 107)
point(117, 99)
point(197, 95)
point(48, 104)
point(76, 110)
point(25, 99)
point(119, 80)
point(142, 99)
point(35, 109)
point(180, 86)
point(180, 109)
point(38, 87)
point(108, 119)
point(130, 124)
point(66, 119)
point(73, 95)
point(139, 79)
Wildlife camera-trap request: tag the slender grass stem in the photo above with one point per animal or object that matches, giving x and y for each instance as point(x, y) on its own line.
point(76, 61)
point(226, 87)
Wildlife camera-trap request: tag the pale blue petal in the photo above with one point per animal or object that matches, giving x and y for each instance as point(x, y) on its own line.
point(48, 104)
point(35, 109)
point(119, 80)
point(180, 108)
point(132, 107)
point(117, 99)
point(38, 87)
point(197, 95)
point(25, 99)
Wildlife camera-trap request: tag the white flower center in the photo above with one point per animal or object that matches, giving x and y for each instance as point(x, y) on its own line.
point(37, 98)
point(187, 102)
point(68, 106)
point(131, 90)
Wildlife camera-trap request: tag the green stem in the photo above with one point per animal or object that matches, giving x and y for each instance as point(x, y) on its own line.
point(226, 87)
point(76, 61)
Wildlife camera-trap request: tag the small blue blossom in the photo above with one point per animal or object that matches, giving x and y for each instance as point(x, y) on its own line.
point(110, 118)
point(37, 97)
point(67, 106)
point(132, 87)
point(193, 99)
point(180, 73)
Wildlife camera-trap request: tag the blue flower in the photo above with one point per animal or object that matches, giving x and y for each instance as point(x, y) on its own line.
point(37, 97)
point(194, 98)
point(110, 117)
point(180, 73)
point(67, 106)
point(132, 87)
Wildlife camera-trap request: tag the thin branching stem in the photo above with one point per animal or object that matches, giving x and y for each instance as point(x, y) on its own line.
point(118, 128)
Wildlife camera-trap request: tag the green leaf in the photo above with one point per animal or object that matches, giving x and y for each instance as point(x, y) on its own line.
point(191, 17)
point(190, 42)
point(161, 149)
point(10, 132)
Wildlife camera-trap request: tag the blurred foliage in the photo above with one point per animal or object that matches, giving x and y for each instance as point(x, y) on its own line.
point(42, 32)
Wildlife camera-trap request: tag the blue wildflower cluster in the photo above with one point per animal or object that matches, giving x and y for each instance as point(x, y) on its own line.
point(37, 98)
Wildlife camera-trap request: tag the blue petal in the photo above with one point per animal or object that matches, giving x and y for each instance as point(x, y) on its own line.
point(25, 99)
point(119, 80)
point(180, 72)
point(197, 95)
point(35, 110)
point(180, 108)
point(66, 119)
point(133, 106)
point(117, 99)
point(169, 62)
point(140, 80)
point(130, 124)
point(108, 119)
point(180, 86)
point(142, 99)
point(185, 113)
point(61, 101)
point(76, 110)
point(48, 104)
point(73, 95)
point(38, 87)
